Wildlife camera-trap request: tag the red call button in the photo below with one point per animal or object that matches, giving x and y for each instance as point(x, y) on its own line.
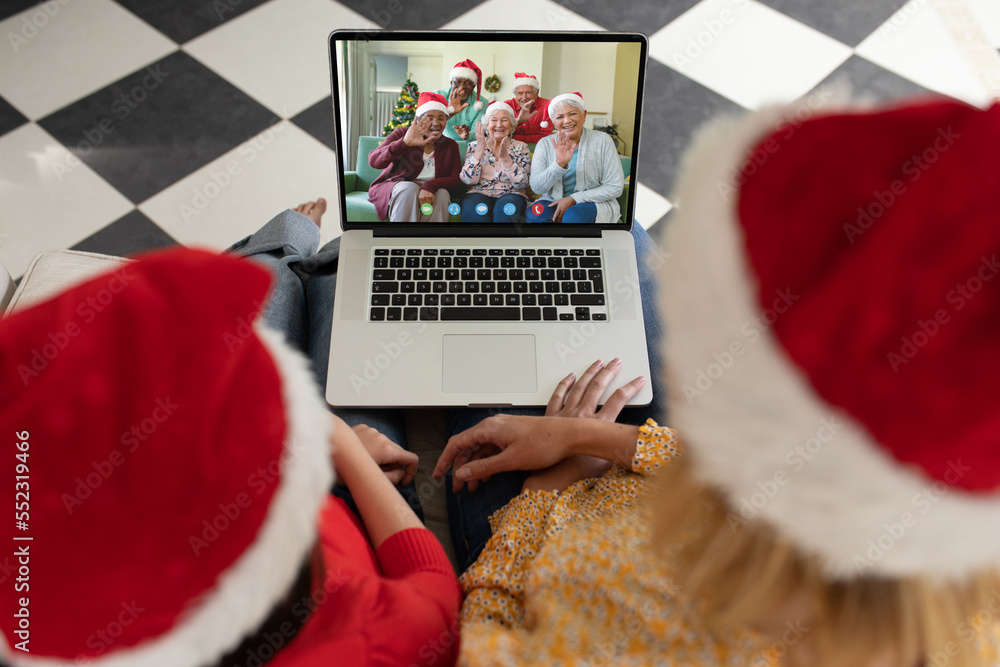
point(538, 209)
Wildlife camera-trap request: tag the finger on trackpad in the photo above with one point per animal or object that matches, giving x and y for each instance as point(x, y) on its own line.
point(489, 363)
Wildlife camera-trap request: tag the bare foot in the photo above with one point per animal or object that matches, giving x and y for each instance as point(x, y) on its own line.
point(313, 210)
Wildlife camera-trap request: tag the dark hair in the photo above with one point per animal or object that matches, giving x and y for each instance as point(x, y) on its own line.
point(279, 628)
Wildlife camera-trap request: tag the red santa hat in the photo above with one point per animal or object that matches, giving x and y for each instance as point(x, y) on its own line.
point(575, 98)
point(522, 79)
point(498, 106)
point(468, 70)
point(431, 102)
point(177, 456)
point(832, 299)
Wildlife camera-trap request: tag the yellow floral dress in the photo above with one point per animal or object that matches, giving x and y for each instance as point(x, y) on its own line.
point(569, 578)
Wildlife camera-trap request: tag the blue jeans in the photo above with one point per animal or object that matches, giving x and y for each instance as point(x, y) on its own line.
point(301, 306)
point(577, 213)
point(494, 208)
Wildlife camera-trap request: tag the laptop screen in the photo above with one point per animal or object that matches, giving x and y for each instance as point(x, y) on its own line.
point(499, 132)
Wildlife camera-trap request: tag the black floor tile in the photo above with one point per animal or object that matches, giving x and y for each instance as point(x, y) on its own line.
point(317, 120)
point(848, 21)
point(10, 118)
point(411, 14)
point(674, 107)
point(868, 81)
point(181, 20)
point(644, 17)
point(158, 125)
point(10, 7)
point(130, 234)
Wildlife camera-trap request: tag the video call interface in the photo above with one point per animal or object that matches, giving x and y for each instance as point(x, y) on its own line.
point(448, 131)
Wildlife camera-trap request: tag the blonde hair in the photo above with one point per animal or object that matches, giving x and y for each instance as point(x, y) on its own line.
point(742, 571)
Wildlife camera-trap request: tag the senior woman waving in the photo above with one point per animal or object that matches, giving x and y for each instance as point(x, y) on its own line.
point(419, 165)
point(577, 170)
point(496, 170)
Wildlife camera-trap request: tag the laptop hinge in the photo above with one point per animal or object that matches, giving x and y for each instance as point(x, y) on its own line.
point(516, 231)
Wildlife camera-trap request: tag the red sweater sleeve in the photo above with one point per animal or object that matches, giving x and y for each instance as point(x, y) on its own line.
point(396, 606)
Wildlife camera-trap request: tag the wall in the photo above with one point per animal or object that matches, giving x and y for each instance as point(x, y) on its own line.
point(626, 82)
point(391, 73)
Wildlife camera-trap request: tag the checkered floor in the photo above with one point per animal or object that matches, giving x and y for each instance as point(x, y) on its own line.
point(136, 124)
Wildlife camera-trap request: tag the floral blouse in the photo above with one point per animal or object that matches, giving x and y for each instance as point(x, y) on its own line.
point(491, 178)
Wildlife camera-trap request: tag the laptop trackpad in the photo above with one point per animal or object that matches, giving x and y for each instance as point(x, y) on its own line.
point(489, 363)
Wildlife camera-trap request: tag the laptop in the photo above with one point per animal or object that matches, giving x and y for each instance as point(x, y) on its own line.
point(480, 312)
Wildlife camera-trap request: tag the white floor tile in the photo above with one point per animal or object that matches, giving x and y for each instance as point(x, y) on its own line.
point(62, 52)
point(747, 52)
point(510, 15)
point(236, 194)
point(51, 200)
point(278, 52)
point(650, 206)
point(916, 44)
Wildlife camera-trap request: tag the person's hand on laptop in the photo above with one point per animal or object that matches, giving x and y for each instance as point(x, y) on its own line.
point(398, 464)
point(573, 425)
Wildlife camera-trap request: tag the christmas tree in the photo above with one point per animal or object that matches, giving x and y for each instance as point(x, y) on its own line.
point(406, 107)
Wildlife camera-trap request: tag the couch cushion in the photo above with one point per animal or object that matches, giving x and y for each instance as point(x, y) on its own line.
point(55, 271)
point(7, 287)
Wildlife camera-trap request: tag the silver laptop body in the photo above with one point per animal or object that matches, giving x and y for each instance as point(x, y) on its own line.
point(387, 351)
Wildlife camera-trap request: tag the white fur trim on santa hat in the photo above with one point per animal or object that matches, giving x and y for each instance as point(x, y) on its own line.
point(262, 576)
point(433, 106)
point(567, 97)
point(464, 73)
point(757, 430)
point(544, 123)
point(497, 107)
point(478, 105)
point(526, 81)
point(450, 110)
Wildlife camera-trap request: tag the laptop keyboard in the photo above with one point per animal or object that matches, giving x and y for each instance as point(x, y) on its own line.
point(487, 284)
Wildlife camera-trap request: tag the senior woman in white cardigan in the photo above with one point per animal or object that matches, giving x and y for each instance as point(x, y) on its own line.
point(578, 171)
